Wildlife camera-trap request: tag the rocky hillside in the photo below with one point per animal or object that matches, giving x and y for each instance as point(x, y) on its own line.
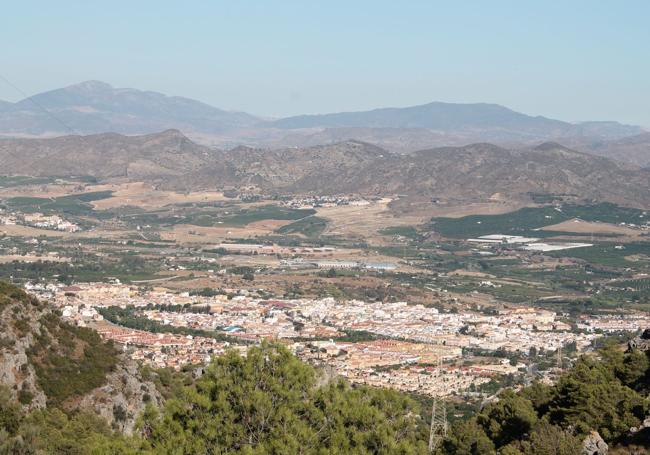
point(452, 174)
point(47, 362)
point(471, 173)
point(103, 155)
point(633, 149)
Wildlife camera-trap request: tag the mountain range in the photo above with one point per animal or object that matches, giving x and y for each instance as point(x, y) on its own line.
point(473, 173)
point(96, 107)
point(93, 107)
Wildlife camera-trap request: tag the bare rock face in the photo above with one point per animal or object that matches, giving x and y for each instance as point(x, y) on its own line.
point(17, 331)
point(123, 397)
point(594, 445)
point(35, 342)
point(641, 342)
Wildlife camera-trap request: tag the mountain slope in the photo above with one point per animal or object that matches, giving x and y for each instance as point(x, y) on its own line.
point(479, 122)
point(634, 149)
point(476, 173)
point(96, 107)
point(47, 362)
point(103, 155)
point(459, 175)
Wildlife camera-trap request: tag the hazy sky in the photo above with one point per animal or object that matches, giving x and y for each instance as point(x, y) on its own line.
point(571, 60)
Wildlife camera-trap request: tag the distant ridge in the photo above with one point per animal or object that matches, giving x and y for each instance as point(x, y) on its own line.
point(467, 174)
point(97, 107)
point(93, 107)
point(436, 116)
point(490, 119)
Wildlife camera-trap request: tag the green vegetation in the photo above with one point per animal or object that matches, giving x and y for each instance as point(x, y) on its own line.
point(266, 212)
point(405, 231)
point(268, 403)
point(229, 216)
point(524, 221)
point(636, 255)
point(311, 226)
point(52, 431)
point(128, 317)
point(69, 361)
point(126, 267)
point(75, 204)
point(605, 395)
point(7, 181)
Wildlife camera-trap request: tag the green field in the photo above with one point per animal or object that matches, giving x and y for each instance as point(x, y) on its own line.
point(409, 232)
point(633, 255)
point(526, 220)
point(76, 204)
point(7, 181)
point(311, 226)
point(266, 212)
point(230, 217)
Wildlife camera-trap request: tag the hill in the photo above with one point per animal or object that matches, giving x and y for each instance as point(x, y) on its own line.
point(45, 362)
point(633, 149)
point(471, 173)
point(103, 155)
point(96, 107)
point(453, 174)
point(269, 402)
point(469, 122)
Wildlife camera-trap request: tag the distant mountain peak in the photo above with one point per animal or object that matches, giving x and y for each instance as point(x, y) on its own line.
point(550, 145)
point(97, 107)
point(90, 86)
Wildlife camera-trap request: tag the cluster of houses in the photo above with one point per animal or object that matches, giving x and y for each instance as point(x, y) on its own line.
point(38, 220)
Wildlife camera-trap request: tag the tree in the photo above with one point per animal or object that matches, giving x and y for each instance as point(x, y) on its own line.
point(549, 439)
point(268, 403)
point(590, 397)
point(467, 438)
point(509, 419)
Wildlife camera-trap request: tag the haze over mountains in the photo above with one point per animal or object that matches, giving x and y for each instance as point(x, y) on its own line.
point(96, 107)
point(489, 151)
point(473, 173)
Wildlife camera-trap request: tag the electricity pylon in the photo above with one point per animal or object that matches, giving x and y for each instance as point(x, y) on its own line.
point(438, 430)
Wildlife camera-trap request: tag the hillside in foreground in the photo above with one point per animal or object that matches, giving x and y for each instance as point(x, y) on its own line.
point(268, 402)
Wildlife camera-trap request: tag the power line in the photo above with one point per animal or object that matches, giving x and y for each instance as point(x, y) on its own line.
point(38, 105)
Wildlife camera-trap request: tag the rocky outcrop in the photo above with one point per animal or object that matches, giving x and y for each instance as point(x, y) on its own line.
point(123, 398)
point(44, 361)
point(594, 445)
point(641, 342)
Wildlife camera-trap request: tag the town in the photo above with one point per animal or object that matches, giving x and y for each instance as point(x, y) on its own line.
point(410, 347)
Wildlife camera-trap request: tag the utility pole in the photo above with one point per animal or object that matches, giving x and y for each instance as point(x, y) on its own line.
point(438, 430)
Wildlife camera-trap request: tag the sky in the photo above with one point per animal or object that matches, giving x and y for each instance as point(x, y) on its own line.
point(569, 60)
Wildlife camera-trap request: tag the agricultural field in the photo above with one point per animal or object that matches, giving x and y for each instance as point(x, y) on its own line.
point(138, 233)
point(529, 221)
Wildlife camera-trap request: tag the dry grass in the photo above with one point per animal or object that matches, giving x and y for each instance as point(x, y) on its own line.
point(142, 195)
point(184, 233)
point(588, 228)
point(364, 221)
point(30, 258)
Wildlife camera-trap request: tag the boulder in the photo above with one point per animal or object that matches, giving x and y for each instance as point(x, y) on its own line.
point(594, 445)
